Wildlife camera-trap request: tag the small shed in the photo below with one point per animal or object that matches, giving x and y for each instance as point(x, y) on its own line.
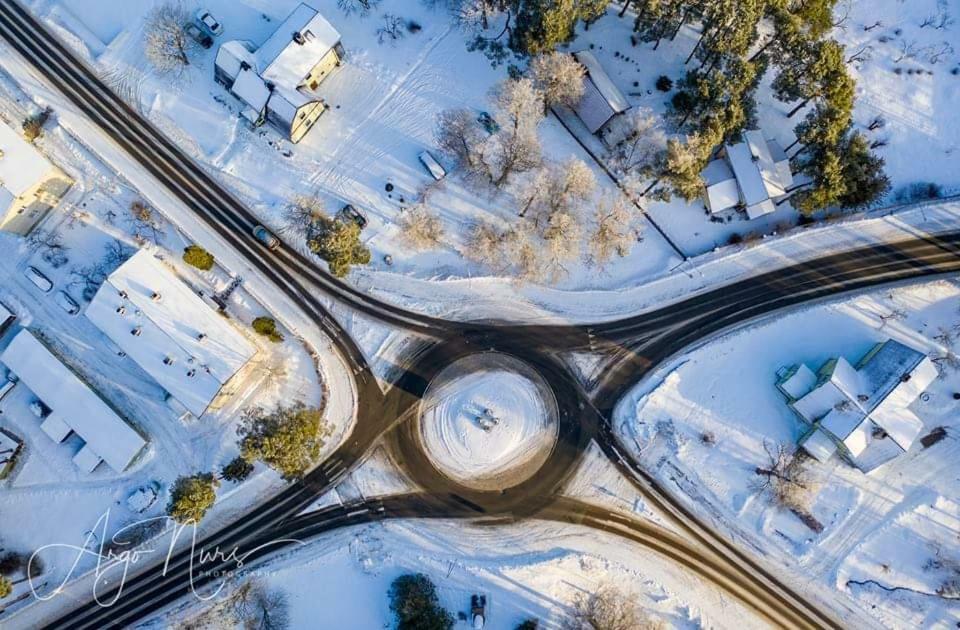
point(601, 100)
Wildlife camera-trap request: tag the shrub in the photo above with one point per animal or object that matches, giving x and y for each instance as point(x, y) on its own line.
point(237, 470)
point(191, 497)
point(664, 83)
point(198, 257)
point(6, 587)
point(33, 125)
point(413, 600)
point(267, 327)
point(338, 243)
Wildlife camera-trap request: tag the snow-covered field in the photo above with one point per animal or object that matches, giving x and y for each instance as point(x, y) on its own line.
point(535, 570)
point(704, 427)
point(488, 420)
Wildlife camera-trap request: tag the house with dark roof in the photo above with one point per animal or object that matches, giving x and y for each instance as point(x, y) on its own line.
point(277, 81)
point(861, 412)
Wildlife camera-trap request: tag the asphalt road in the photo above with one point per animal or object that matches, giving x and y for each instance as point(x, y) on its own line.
point(632, 345)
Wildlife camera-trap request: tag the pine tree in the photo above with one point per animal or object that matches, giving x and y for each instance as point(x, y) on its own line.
point(267, 326)
point(657, 19)
point(6, 587)
point(192, 496)
point(414, 602)
point(863, 176)
point(338, 243)
point(684, 162)
point(825, 169)
point(288, 438)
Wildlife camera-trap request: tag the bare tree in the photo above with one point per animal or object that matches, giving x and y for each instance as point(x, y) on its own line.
point(420, 228)
point(144, 221)
point(787, 480)
point(561, 236)
point(613, 233)
point(89, 277)
point(515, 147)
point(459, 136)
point(531, 192)
point(261, 608)
point(474, 16)
point(302, 215)
point(166, 43)
point(486, 245)
point(559, 77)
point(522, 253)
point(609, 609)
point(49, 244)
point(363, 7)
point(391, 30)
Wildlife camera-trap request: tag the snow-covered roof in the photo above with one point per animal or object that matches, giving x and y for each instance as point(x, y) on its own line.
point(722, 191)
point(232, 54)
point(87, 459)
point(181, 342)
point(752, 188)
point(251, 89)
point(21, 166)
point(798, 380)
point(601, 99)
point(760, 149)
point(870, 404)
point(291, 52)
point(72, 402)
point(818, 444)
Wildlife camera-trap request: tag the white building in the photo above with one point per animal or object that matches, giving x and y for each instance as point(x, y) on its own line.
point(29, 184)
point(190, 350)
point(276, 82)
point(861, 412)
point(601, 100)
point(74, 407)
point(753, 174)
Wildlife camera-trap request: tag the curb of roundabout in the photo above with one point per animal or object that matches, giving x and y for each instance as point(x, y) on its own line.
point(576, 425)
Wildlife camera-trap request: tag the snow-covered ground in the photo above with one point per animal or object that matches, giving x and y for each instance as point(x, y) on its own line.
point(535, 570)
point(488, 420)
point(704, 427)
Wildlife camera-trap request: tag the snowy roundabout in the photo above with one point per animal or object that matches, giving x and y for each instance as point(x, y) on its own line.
point(488, 421)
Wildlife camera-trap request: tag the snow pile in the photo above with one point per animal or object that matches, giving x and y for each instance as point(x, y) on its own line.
point(487, 419)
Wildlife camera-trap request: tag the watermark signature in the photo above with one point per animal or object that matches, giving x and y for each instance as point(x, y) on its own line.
point(118, 557)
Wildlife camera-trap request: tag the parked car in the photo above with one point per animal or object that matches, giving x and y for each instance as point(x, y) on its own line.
point(266, 237)
point(198, 35)
point(67, 303)
point(349, 212)
point(8, 383)
point(38, 279)
point(478, 605)
point(432, 165)
point(488, 123)
point(208, 23)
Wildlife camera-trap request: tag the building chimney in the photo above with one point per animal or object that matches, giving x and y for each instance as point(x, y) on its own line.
point(136, 332)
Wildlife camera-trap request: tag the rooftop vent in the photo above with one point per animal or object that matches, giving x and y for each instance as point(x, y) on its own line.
point(136, 332)
point(298, 37)
point(905, 377)
point(121, 310)
point(168, 360)
point(201, 336)
point(191, 373)
point(155, 296)
point(123, 294)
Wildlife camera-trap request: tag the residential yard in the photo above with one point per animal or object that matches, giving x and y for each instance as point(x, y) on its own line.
point(710, 419)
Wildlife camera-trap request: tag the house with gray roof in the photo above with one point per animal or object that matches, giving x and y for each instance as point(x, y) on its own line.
point(601, 101)
point(277, 82)
point(861, 412)
point(753, 175)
